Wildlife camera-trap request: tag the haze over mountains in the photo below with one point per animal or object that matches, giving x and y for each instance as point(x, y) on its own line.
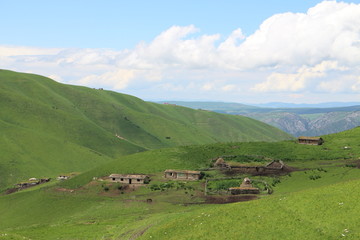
point(295, 119)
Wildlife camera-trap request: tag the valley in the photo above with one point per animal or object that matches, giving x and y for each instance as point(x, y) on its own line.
point(94, 139)
point(297, 120)
point(48, 128)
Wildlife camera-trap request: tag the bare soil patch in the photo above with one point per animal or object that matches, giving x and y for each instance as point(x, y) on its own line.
point(229, 199)
point(64, 190)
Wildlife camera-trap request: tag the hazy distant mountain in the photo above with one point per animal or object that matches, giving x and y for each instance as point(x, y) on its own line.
point(306, 105)
point(310, 124)
point(296, 119)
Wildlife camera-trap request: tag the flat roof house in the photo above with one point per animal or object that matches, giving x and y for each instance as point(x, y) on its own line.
point(182, 174)
point(129, 178)
point(310, 140)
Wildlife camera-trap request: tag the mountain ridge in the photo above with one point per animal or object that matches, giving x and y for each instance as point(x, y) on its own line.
point(297, 121)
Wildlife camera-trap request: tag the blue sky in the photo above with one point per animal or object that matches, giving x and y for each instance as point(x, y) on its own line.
point(239, 51)
point(122, 24)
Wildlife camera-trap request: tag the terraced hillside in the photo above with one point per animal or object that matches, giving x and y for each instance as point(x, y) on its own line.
point(48, 128)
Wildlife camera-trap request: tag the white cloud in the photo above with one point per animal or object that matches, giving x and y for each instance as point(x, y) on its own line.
point(55, 77)
point(229, 87)
point(356, 86)
point(117, 80)
point(208, 86)
point(293, 82)
point(11, 51)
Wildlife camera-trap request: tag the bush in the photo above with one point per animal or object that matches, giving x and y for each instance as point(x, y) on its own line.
point(275, 181)
point(350, 165)
point(321, 170)
point(154, 187)
point(224, 184)
point(314, 177)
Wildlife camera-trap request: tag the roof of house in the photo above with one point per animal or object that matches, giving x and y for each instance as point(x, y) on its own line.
point(137, 176)
point(309, 138)
point(183, 171)
point(275, 164)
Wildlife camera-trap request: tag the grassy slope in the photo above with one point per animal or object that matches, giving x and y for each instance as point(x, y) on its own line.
point(198, 157)
point(300, 208)
point(320, 213)
point(48, 128)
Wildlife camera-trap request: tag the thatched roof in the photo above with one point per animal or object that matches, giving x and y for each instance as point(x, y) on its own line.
point(137, 176)
point(182, 171)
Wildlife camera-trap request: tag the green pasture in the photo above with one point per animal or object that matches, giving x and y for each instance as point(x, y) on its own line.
point(47, 128)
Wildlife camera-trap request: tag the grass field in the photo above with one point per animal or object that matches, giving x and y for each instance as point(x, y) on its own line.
point(320, 201)
point(48, 128)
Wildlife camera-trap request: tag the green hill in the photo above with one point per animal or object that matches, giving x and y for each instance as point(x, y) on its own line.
point(337, 147)
point(49, 128)
point(301, 207)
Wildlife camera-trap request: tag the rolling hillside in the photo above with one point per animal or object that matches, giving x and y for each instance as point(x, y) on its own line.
point(299, 208)
point(48, 128)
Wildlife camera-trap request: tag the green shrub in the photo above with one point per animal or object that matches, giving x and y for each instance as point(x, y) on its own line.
point(314, 177)
point(350, 165)
point(275, 181)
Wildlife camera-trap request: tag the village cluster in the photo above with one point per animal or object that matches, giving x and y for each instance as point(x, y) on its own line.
point(246, 187)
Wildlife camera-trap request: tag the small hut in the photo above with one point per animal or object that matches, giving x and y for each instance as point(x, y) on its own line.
point(245, 188)
point(220, 163)
point(310, 140)
point(182, 174)
point(129, 178)
point(276, 164)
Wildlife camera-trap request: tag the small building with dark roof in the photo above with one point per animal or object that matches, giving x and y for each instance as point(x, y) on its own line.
point(275, 164)
point(245, 188)
point(129, 178)
point(182, 174)
point(310, 140)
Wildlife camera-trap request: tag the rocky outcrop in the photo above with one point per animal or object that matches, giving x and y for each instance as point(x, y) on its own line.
point(311, 124)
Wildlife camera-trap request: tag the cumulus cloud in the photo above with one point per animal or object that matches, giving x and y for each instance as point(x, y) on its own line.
point(300, 80)
point(117, 80)
point(296, 52)
point(356, 86)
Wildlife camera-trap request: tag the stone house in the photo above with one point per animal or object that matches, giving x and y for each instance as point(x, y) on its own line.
point(246, 187)
point(220, 163)
point(129, 178)
point(182, 174)
point(275, 165)
point(310, 140)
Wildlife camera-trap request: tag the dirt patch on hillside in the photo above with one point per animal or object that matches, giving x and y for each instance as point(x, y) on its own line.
point(223, 199)
point(255, 172)
point(229, 199)
point(11, 190)
point(64, 190)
